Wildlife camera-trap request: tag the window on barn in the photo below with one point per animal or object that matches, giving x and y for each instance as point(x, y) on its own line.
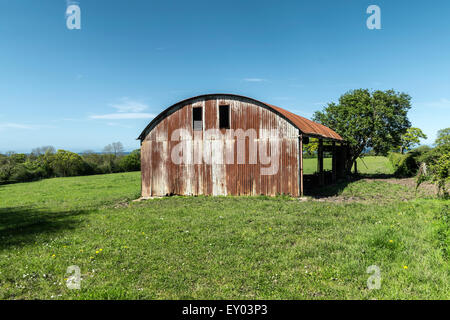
point(197, 122)
point(224, 117)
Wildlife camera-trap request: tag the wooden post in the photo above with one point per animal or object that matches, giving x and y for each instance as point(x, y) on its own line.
point(334, 164)
point(301, 165)
point(320, 162)
point(340, 160)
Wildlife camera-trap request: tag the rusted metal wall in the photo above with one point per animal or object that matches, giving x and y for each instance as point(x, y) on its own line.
point(161, 176)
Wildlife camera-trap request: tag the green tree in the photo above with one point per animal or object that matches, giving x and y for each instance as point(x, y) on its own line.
point(115, 148)
point(311, 147)
point(366, 119)
point(112, 154)
point(65, 163)
point(17, 158)
point(132, 161)
point(43, 150)
point(93, 161)
point(6, 170)
point(9, 163)
point(443, 137)
point(411, 138)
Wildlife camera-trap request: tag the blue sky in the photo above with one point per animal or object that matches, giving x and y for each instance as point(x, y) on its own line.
point(82, 89)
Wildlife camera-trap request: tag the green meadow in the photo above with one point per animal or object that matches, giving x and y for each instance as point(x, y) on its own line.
point(221, 247)
point(366, 165)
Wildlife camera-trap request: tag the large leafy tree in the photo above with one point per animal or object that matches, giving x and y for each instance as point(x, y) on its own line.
point(65, 163)
point(312, 146)
point(443, 137)
point(132, 161)
point(368, 119)
point(411, 138)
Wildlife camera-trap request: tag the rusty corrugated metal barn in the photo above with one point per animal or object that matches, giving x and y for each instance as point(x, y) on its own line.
point(226, 144)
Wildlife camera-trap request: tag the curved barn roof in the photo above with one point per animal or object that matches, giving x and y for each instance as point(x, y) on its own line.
point(306, 126)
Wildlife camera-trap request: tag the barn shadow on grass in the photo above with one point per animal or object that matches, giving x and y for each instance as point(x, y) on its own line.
point(21, 225)
point(374, 176)
point(335, 189)
point(326, 191)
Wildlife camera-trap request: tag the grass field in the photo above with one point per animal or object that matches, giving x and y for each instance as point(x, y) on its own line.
point(219, 247)
point(372, 165)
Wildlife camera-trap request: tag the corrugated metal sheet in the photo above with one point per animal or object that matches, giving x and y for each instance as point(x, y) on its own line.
point(161, 176)
point(307, 127)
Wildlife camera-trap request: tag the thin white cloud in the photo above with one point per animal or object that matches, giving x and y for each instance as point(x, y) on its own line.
point(15, 126)
point(124, 115)
point(254, 80)
point(115, 124)
point(128, 105)
point(22, 126)
point(126, 109)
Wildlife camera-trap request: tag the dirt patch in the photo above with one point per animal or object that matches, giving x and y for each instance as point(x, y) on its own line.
point(339, 199)
point(121, 204)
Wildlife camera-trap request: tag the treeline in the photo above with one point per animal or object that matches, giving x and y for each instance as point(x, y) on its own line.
point(428, 164)
point(46, 162)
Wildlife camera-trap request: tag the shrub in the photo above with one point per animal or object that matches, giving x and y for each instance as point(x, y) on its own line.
point(441, 171)
point(66, 163)
point(420, 153)
point(105, 168)
point(45, 163)
point(433, 155)
point(20, 174)
point(405, 165)
point(395, 158)
point(131, 162)
point(18, 158)
point(6, 171)
point(93, 161)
